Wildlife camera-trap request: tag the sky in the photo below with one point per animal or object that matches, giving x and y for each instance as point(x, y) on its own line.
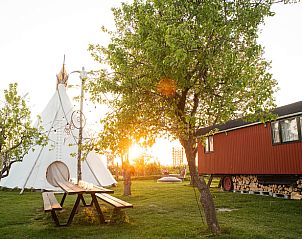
point(35, 35)
point(281, 37)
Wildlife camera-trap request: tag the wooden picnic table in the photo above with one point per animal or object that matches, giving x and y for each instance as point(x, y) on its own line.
point(70, 189)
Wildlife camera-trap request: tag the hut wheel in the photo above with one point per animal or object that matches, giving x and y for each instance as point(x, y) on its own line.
point(227, 183)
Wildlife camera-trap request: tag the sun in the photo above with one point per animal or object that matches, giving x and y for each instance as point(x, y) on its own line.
point(161, 151)
point(135, 151)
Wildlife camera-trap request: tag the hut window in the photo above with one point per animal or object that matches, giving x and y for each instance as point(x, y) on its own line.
point(209, 144)
point(275, 132)
point(289, 130)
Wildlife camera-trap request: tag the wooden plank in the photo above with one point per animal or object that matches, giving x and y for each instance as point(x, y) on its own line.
point(50, 201)
point(70, 187)
point(64, 186)
point(54, 202)
point(98, 189)
point(46, 202)
point(113, 200)
point(126, 204)
point(108, 200)
point(75, 187)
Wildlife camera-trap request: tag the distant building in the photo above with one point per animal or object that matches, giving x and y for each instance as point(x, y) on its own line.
point(177, 156)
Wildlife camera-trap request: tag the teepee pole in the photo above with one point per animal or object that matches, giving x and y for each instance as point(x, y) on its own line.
point(41, 150)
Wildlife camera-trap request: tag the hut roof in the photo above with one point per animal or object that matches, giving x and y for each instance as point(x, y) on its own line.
point(281, 112)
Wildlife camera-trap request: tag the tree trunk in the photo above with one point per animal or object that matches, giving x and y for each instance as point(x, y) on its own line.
point(1, 162)
point(127, 182)
point(126, 167)
point(1, 165)
point(206, 198)
point(116, 172)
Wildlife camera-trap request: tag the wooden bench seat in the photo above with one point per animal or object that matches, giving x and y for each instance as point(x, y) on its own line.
point(118, 203)
point(51, 205)
point(117, 215)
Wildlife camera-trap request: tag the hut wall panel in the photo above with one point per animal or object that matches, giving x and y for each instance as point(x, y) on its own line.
point(250, 150)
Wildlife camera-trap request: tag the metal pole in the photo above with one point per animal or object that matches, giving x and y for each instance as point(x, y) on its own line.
point(83, 76)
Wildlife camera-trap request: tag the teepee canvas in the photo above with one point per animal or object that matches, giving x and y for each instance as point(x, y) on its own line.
point(58, 122)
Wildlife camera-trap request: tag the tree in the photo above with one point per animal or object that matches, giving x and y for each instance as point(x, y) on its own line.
point(118, 136)
point(177, 66)
point(17, 136)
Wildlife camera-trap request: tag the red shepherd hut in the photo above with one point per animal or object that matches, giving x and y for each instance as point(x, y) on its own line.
point(256, 156)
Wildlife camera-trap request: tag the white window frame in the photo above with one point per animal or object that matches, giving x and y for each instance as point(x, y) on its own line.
point(276, 137)
point(209, 144)
point(286, 130)
point(289, 130)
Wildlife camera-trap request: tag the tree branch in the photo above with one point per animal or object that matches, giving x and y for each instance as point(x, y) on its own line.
point(195, 105)
point(6, 168)
point(15, 146)
point(182, 103)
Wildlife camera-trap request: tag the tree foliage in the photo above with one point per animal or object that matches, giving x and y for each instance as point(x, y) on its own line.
point(176, 66)
point(17, 135)
point(208, 48)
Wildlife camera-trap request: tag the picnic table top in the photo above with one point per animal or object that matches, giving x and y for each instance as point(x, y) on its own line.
point(71, 188)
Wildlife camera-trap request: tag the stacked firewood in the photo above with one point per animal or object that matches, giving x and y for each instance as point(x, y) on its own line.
point(250, 183)
point(297, 193)
point(246, 183)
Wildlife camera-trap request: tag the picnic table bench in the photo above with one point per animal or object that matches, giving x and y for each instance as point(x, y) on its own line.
point(51, 205)
point(117, 203)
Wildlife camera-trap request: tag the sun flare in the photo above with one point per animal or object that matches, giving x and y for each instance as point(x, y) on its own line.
point(161, 151)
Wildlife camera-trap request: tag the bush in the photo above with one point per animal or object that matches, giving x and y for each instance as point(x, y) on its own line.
point(153, 169)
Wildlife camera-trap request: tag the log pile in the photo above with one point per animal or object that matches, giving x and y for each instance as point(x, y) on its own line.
point(250, 183)
point(245, 183)
point(297, 193)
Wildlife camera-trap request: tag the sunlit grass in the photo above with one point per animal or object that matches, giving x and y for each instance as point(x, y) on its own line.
point(160, 210)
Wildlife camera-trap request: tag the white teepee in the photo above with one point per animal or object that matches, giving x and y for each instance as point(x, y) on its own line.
point(57, 122)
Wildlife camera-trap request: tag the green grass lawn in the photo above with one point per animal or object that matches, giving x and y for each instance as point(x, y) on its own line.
point(161, 210)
